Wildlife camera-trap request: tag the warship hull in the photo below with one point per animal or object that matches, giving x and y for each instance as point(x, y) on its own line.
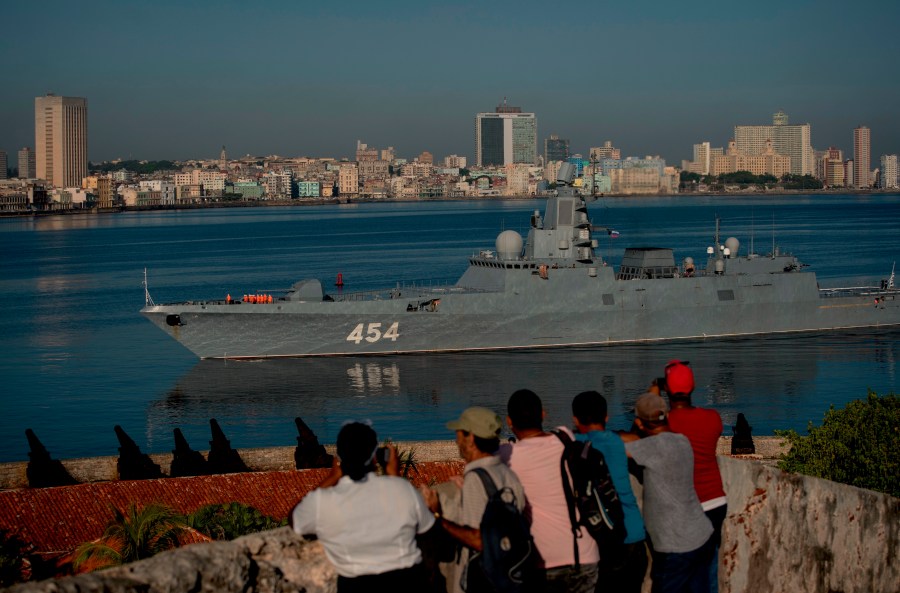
point(521, 308)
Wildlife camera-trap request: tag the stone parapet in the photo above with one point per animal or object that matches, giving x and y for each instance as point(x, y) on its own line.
point(784, 532)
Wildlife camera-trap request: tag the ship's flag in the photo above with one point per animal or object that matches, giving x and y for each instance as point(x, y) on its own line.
point(613, 234)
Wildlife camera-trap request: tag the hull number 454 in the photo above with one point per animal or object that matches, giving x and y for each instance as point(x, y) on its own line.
point(371, 332)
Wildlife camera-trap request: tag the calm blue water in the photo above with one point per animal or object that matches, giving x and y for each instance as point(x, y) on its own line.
point(76, 358)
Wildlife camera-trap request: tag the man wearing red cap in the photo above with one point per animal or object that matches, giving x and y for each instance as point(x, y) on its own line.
point(702, 427)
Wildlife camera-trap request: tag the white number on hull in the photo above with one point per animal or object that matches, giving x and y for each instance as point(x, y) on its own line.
point(373, 333)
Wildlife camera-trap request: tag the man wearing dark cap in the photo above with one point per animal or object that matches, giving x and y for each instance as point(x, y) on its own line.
point(459, 513)
point(367, 523)
point(702, 427)
point(679, 529)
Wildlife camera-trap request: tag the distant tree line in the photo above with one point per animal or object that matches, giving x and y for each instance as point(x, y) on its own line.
point(746, 178)
point(140, 167)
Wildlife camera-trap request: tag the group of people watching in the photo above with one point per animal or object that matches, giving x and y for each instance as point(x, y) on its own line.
point(371, 525)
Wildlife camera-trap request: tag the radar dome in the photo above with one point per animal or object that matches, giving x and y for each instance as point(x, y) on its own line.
point(732, 244)
point(509, 245)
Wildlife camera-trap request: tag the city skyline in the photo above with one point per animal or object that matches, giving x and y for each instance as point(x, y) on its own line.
point(178, 81)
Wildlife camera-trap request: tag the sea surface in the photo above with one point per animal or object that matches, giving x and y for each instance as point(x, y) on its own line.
point(77, 358)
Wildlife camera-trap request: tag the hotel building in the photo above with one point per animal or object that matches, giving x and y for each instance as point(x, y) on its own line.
point(505, 137)
point(793, 141)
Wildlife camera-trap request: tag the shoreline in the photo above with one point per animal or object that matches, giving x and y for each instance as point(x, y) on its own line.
point(307, 202)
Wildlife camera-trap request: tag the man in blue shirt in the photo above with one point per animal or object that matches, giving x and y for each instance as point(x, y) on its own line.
point(626, 573)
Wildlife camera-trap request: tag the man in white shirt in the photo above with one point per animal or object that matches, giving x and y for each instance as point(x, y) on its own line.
point(367, 523)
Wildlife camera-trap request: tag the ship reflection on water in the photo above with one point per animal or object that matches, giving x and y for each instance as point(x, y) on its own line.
point(776, 382)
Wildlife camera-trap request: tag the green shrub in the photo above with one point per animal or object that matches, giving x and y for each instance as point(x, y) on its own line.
point(858, 445)
point(228, 521)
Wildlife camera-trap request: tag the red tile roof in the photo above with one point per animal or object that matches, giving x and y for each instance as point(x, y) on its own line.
point(57, 520)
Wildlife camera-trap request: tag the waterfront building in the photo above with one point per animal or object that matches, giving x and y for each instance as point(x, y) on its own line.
point(426, 157)
point(767, 162)
point(517, 180)
point(27, 168)
point(309, 189)
point(60, 139)
point(789, 140)
point(555, 149)
point(640, 176)
point(862, 146)
point(388, 154)
point(607, 151)
point(4, 165)
point(278, 185)
point(248, 190)
point(105, 192)
point(579, 162)
point(889, 172)
point(702, 155)
point(551, 169)
point(849, 180)
point(505, 137)
point(164, 189)
point(348, 179)
point(830, 167)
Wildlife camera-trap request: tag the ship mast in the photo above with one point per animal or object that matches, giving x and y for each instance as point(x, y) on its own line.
point(148, 300)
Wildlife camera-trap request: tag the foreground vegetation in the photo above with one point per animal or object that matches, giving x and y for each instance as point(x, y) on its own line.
point(858, 445)
point(141, 533)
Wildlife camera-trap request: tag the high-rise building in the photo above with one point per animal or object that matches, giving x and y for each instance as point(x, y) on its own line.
point(3, 165)
point(26, 164)
point(702, 153)
point(793, 141)
point(862, 157)
point(555, 148)
point(60, 140)
point(505, 137)
point(889, 172)
point(607, 151)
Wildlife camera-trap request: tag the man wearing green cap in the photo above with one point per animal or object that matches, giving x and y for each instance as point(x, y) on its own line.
point(460, 512)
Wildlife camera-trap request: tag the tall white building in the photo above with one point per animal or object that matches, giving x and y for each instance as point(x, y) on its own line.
point(60, 140)
point(889, 171)
point(793, 141)
point(862, 156)
point(505, 137)
point(702, 155)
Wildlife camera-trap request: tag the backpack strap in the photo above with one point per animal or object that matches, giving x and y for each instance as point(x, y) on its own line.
point(487, 481)
point(567, 489)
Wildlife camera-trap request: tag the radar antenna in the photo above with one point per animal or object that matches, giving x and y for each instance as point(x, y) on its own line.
point(148, 300)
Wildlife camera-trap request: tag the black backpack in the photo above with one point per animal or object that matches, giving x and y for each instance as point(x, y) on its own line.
point(592, 494)
point(507, 561)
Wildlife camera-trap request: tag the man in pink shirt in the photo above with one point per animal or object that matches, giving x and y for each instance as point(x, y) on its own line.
point(702, 427)
point(569, 563)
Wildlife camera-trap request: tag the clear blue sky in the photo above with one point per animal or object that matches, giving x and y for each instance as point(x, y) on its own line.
point(178, 79)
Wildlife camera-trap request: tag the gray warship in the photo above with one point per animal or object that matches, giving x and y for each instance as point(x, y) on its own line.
point(548, 290)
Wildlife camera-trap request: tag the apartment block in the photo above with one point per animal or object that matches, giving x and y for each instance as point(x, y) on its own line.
point(862, 156)
point(888, 178)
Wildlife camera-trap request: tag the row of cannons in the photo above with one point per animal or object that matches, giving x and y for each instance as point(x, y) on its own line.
point(44, 471)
